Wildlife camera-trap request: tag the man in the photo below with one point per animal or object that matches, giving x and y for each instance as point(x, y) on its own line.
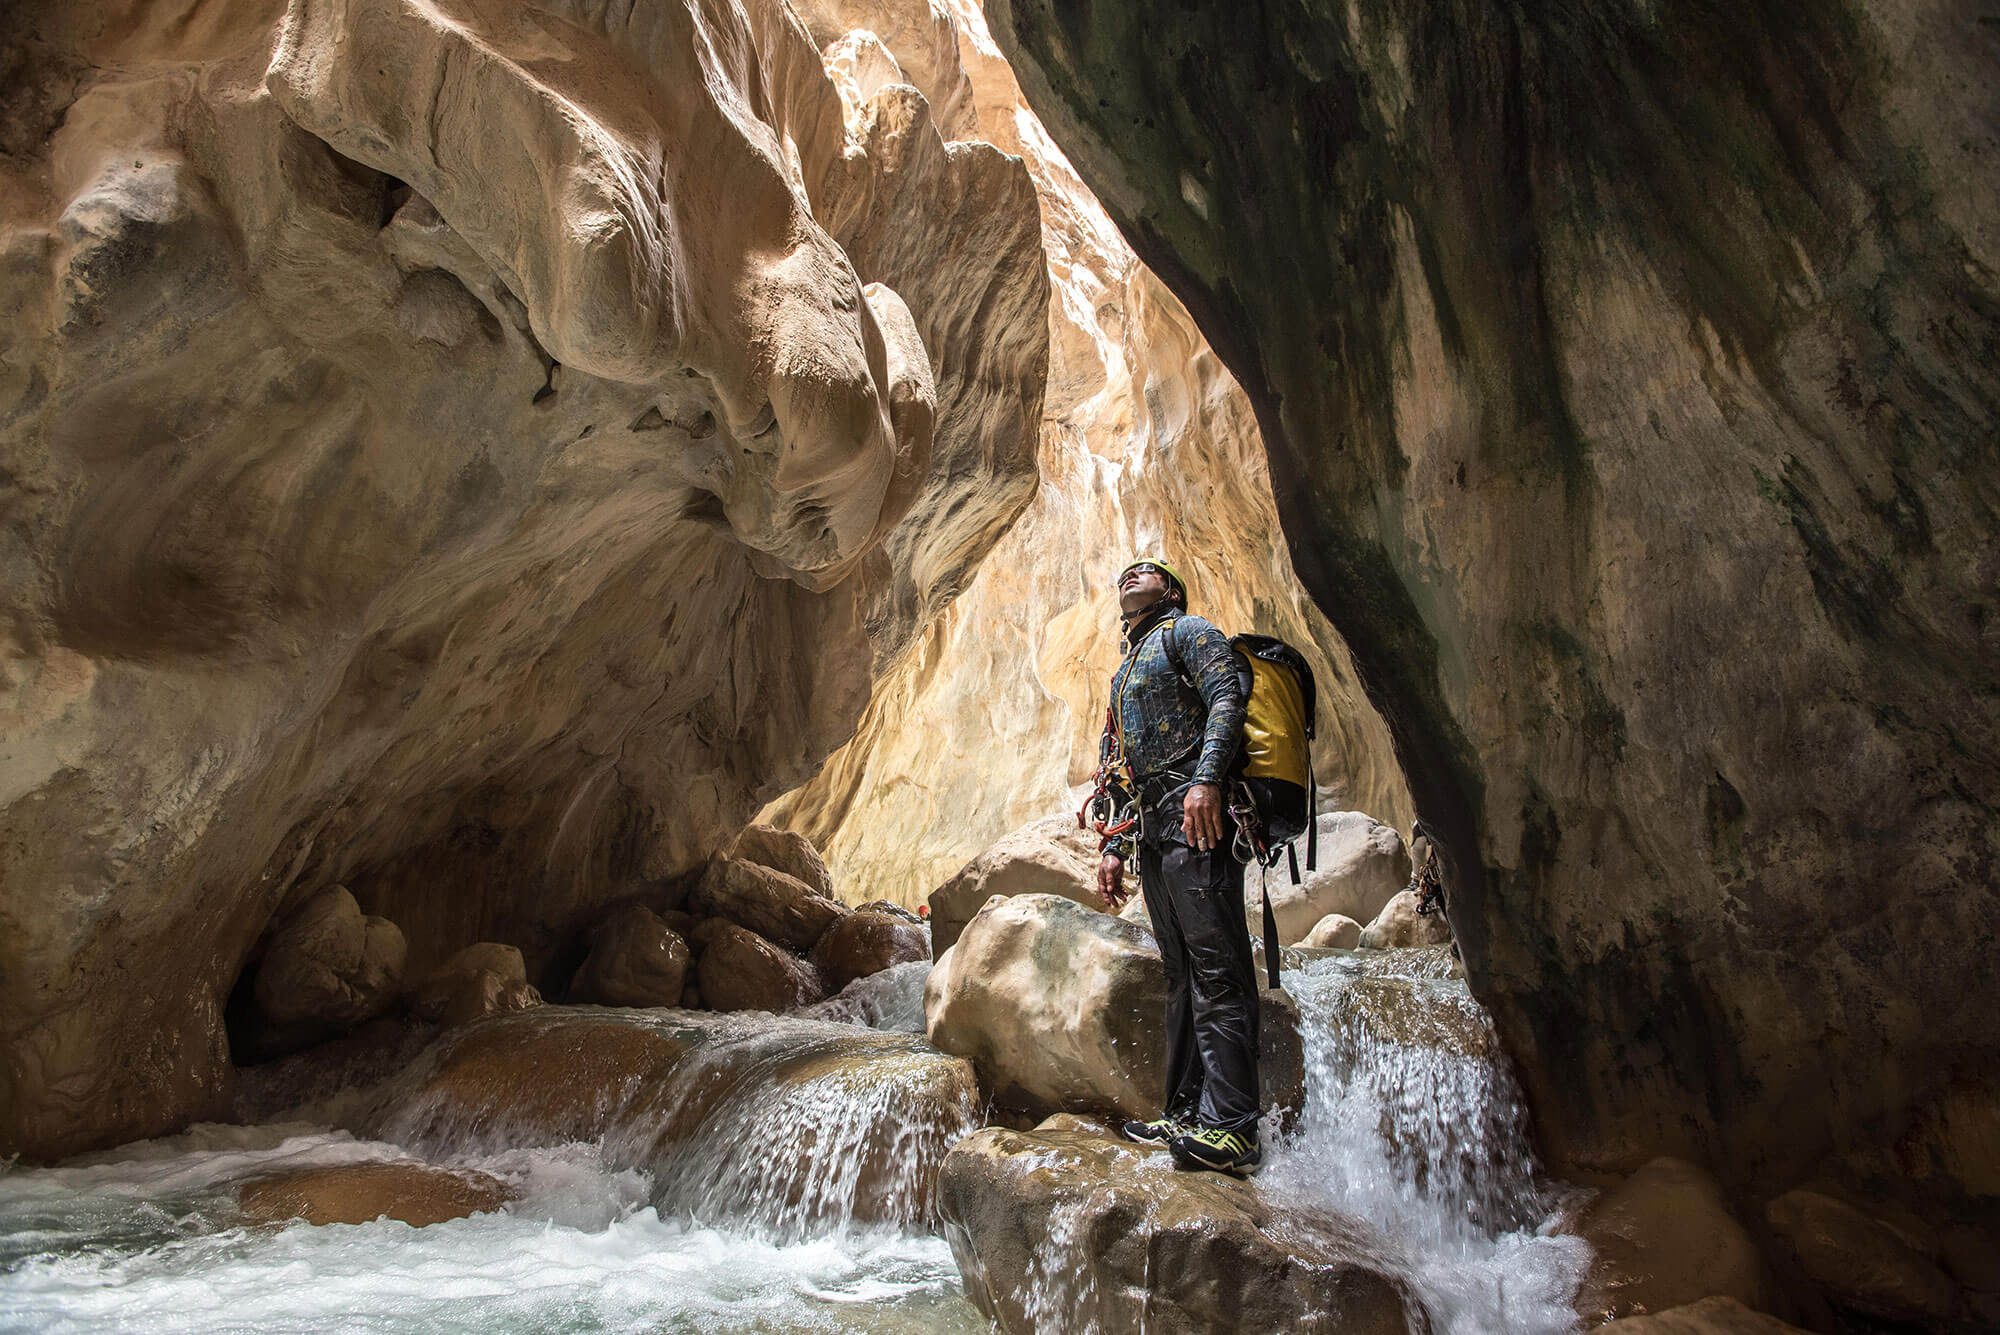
point(1174, 726)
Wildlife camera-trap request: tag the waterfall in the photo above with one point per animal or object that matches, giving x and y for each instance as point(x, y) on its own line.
point(1413, 1122)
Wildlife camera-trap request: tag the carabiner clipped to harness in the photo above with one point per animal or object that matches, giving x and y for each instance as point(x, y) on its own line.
point(1099, 812)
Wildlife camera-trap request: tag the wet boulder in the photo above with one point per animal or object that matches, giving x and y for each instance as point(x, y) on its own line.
point(635, 960)
point(1710, 1316)
point(773, 904)
point(866, 943)
point(1362, 865)
point(330, 964)
point(416, 1193)
point(1063, 1229)
point(1399, 925)
point(795, 1124)
point(1860, 1263)
point(1063, 1008)
point(1336, 931)
point(786, 851)
point(741, 971)
point(885, 906)
point(1050, 856)
point(1662, 1239)
point(483, 979)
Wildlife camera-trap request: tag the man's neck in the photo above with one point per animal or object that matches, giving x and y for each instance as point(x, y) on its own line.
point(1139, 622)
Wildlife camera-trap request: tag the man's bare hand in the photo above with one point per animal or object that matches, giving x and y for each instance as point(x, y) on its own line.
point(1201, 816)
point(1111, 881)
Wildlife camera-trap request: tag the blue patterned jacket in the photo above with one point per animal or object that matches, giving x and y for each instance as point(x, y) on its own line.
point(1159, 725)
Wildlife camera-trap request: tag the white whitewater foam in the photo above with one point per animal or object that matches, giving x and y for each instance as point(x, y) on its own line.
point(149, 1241)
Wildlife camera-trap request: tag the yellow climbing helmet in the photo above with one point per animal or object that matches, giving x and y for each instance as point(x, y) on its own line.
point(1173, 575)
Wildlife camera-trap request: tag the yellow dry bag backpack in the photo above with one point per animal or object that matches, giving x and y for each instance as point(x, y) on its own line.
point(1272, 791)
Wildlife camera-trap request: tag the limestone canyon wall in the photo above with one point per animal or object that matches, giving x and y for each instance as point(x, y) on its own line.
point(476, 453)
point(1147, 444)
point(1629, 375)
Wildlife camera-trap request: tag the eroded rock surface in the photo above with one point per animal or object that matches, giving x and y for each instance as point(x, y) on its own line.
point(474, 453)
point(1628, 381)
point(1665, 1238)
point(1064, 1230)
point(865, 943)
point(1147, 443)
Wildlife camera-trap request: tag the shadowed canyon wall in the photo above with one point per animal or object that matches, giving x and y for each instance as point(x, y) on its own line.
point(1147, 445)
point(471, 452)
point(1629, 377)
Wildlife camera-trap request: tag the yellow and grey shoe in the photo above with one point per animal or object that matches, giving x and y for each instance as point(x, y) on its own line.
point(1217, 1150)
point(1156, 1132)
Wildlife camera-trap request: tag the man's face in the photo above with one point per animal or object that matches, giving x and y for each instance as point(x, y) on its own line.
point(1139, 588)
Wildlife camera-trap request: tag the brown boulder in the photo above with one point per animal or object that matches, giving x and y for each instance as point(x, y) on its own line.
point(1710, 1316)
point(649, 1085)
point(1048, 857)
point(331, 964)
point(865, 943)
point(635, 960)
point(1662, 1239)
point(416, 1193)
point(769, 903)
point(1065, 1230)
point(1399, 925)
point(1336, 931)
point(786, 851)
point(1861, 1264)
point(483, 979)
point(741, 971)
point(885, 906)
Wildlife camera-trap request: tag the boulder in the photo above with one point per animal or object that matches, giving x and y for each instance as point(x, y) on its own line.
point(487, 978)
point(1362, 864)
point(1710, 1316)
point(1661, 1239)
point(1399, 924)
point(1860, 1263)
point(1336, 931)
point(885, 906)
point(786, 851)
point(1062, 1008)
point(416, 1193)
point(330, 964)
point(1047, 857)
point(865, 943)
point(741, 971)
point(635, 960)
point(735, 1116)
point(1066, 1230)
point(771, 903)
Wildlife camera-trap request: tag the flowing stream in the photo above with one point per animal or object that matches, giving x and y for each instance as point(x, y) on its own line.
point(751, 1225)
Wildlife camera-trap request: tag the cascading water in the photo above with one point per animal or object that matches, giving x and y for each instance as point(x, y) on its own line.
point(793, 1197)
point(1412, 1122)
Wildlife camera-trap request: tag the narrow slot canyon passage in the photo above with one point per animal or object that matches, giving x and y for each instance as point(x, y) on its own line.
point(564, 568)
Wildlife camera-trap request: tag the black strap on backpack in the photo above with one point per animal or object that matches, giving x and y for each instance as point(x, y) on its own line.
point(1270, 929)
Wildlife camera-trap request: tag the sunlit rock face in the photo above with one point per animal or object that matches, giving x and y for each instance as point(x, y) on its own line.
point(470, 452)
point(1147, 446)
point(1629, 383)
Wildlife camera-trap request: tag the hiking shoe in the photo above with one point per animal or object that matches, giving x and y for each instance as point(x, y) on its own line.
point(1157, 1132)
point(1217, 1150)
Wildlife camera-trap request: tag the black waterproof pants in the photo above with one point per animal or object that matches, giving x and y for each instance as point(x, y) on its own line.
point(1195, 900)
